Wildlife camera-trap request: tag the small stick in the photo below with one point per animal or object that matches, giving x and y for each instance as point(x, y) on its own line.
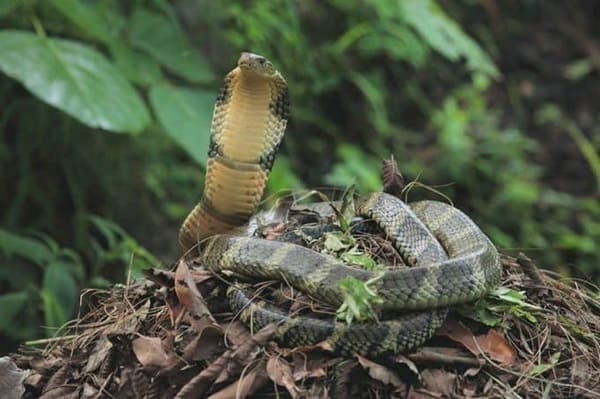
point(433, 355)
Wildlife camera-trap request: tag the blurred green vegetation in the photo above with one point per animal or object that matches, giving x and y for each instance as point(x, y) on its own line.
point(105, 108)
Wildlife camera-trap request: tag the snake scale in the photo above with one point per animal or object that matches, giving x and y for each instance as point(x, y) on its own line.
point(451, 259)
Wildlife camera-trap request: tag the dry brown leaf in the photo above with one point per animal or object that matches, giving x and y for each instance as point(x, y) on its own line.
point(34, 379)
point(236, 333)
point(493, 343)
point(101, 350)
point(245, 353)
point(199, 275)
point(245, 386)
point(204, 346)
point(497, 347)
point(197, 386)
point(308, 369)
point(150, 351)
point(191, 298)
point(62, 392)
point(422, 393)
point(89, 391)
point(280, 372)
point(174, 307)
point(183, 288)
point(58, 378)
point(380, 373)
point(440, 381)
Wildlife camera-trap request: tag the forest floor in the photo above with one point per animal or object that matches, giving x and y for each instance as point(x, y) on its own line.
point(173, 335)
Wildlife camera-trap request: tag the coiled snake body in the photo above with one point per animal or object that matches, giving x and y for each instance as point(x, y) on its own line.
point(452, 260)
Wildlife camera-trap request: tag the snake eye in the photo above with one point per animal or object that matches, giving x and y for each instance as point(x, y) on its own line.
point(262, 61)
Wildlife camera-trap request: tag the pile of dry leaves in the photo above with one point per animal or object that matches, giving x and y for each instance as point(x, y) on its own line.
point(171, 336)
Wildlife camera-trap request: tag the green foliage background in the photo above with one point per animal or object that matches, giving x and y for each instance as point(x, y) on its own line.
point(105, 108)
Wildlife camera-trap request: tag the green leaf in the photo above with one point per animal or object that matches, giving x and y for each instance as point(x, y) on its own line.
point(542, 368)
point(59, 293)
point(6, 6)
point(54, 315)
point(479, 311)
point(337, 241)
point(11, 305)
point(28, 248)
point(163, 39)
point(512, 296)
point(445, 36)
point(120, 247)
point(136, 66)
point(94, 20)
point(579, 69)
point(74, 78)
point(355, 167)
point(359, 299)
point(360, 259)
point(186, 116)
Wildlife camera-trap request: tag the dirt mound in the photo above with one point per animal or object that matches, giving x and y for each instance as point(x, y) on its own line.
point(171, 335)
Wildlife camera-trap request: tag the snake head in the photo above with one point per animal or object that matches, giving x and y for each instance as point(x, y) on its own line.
point(257, 64)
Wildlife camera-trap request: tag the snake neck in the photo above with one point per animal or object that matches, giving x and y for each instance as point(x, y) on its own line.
point(248, 124)
point(244, 126)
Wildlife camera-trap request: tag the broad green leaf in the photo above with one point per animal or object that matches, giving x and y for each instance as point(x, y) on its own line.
point(186, 116)
point(60, 294)
point(28, 248)
point(163, 39)
point(7, 6)
point(54, 315)
point(445, 36)
point(74, 78)
point(93, 19)
point(11, 304)
point(136, 66)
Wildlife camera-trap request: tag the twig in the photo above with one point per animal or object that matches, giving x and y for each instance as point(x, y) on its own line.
point(45, 341)
point(436, 355)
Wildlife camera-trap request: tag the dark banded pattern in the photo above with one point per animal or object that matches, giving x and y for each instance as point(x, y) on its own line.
point(248, 124)
point(385, 337)
point(469, 270)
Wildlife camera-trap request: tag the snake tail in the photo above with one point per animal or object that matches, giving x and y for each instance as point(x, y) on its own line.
point(249, 121)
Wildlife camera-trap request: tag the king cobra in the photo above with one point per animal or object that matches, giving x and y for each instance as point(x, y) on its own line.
point(451, 260)
point(248, 123)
